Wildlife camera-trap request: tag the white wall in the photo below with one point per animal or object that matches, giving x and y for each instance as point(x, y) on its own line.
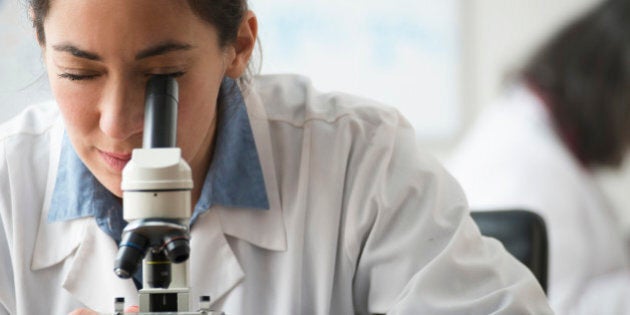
point(22, 79)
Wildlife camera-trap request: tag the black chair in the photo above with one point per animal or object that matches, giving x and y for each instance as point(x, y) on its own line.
point(524, 235)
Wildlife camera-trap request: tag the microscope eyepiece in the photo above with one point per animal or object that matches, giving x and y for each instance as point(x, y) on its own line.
point(176, 247)
point(160, 118)
point(131, 251)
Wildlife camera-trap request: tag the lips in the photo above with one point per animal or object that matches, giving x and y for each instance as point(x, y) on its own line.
point(116, 161)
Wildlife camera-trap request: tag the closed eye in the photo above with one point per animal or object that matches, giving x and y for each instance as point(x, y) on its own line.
point(77, 77)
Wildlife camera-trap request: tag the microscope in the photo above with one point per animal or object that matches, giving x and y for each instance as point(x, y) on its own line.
point(156, 186)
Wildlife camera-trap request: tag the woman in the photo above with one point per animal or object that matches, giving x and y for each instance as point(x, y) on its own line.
point(304, 203)
point(538, 146)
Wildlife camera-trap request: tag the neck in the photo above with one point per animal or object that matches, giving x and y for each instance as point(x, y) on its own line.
point(200, 163)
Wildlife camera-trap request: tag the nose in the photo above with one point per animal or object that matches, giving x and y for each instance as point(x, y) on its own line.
point(122, 111)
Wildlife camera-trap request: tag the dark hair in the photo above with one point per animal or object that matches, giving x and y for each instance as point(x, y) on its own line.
point(583, 76)
point(225, 15)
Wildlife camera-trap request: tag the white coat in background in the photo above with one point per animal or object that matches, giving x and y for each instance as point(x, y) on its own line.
point(360, 222)
point(512, 158)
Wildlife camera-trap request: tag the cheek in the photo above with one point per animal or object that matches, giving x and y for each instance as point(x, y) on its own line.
point(76, 105)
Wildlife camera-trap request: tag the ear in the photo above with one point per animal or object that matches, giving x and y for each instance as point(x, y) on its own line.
point(243, 46)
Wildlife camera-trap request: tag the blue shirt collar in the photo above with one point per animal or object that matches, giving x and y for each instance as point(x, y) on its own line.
point(234, 178)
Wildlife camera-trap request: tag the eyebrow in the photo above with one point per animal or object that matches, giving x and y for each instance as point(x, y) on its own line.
point(77, 52)
point(162, 49)
point(159, 49)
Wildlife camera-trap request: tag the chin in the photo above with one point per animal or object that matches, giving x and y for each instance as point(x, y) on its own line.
point(112, 183)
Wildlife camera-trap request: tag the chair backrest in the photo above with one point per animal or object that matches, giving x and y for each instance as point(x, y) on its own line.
point(524, 235)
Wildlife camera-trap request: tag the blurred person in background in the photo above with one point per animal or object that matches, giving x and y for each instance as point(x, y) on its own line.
point(536, 148)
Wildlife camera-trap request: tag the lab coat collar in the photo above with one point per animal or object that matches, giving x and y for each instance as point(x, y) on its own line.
point(84, 268)
point(265, 229)
point(92, 266)
point(78, 194)
point(234, 178)
point(219, 271)
point(214, 268)
point(49, 249)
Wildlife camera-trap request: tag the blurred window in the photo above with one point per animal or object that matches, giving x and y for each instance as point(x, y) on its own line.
point(403, 53)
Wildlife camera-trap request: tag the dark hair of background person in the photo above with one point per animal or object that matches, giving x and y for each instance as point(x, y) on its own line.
point(583, 76)
point(224, 15)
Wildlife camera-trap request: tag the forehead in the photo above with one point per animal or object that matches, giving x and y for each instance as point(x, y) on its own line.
point(110, 25)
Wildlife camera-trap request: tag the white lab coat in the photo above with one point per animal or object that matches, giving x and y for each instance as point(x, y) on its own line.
point(360, 222)
point(606, 294)
point(512, 158)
